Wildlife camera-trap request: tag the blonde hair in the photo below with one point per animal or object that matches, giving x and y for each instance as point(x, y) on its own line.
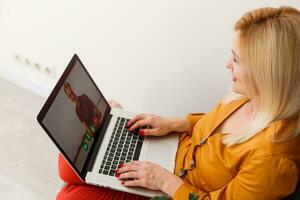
point(269, 43)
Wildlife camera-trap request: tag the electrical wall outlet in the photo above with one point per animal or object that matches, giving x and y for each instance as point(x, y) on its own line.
point(33, 65)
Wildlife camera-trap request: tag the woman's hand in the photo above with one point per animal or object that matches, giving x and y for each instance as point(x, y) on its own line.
point(114, 104)
point(155, 125)
point(148, 175)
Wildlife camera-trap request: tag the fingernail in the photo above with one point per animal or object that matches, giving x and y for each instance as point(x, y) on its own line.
point(123, 182)
point(116, 171)
point(141, 132)
point(120, 165)
point(117, 175)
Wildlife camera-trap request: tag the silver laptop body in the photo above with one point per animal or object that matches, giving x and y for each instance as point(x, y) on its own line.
point(160, 150)
point(89, 157)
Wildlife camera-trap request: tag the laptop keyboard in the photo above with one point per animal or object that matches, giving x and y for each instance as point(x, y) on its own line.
point(123, 147)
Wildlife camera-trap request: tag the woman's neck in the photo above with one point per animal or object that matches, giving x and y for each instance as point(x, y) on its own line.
point(253, 106)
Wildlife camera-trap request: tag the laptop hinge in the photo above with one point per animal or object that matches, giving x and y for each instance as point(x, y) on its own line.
point(94, 151)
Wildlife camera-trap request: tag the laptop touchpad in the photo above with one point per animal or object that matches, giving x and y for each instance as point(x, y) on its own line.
point(160, 153)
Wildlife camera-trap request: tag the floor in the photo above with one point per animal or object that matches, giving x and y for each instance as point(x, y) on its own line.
point(28, 159)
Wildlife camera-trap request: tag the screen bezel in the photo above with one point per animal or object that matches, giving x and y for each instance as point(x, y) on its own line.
point(49, 102)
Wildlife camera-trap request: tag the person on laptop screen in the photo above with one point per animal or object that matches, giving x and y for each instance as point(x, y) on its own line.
point(248, 146)
point(89, 115)
point(86, 110)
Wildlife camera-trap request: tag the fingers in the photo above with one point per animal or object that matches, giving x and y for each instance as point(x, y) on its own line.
point(140, 173)
point(131, 166)
point(140, 123)
point(129, 175)
point(136, 118)
point(135, 182)
point(153, 131)
point(130, 171)
point(145, 125)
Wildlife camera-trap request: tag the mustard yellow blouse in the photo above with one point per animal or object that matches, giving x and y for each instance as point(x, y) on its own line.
point(255, 169)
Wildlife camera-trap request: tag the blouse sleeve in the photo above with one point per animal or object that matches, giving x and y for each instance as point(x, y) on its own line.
point(269, 177)
point(193, 118)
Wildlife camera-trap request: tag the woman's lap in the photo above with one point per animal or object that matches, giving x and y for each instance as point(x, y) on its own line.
point(78, 190)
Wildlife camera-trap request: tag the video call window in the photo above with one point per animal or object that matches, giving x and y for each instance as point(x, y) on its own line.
point(75, 115)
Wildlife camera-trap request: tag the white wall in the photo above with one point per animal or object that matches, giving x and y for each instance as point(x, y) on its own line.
point(161, 56)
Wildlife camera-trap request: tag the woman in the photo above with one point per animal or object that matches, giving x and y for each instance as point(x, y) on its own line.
point(248, 146)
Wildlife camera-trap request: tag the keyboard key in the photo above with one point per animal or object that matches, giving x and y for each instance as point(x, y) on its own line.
point(105, 172)
point(112, 172)
point(132, 145)
point(111, 154)
point(127, 142)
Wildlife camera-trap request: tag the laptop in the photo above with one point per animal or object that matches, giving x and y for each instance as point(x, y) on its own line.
point(92, 136)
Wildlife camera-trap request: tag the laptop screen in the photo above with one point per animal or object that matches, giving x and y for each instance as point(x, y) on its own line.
point(74, 113)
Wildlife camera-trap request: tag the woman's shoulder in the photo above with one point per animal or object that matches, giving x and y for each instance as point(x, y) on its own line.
point(281, 141)
point(273, 141)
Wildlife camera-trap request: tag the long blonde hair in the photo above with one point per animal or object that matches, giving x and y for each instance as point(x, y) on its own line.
point(269, 43)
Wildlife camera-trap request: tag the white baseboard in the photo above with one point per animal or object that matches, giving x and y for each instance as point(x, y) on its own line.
point(27, 81)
